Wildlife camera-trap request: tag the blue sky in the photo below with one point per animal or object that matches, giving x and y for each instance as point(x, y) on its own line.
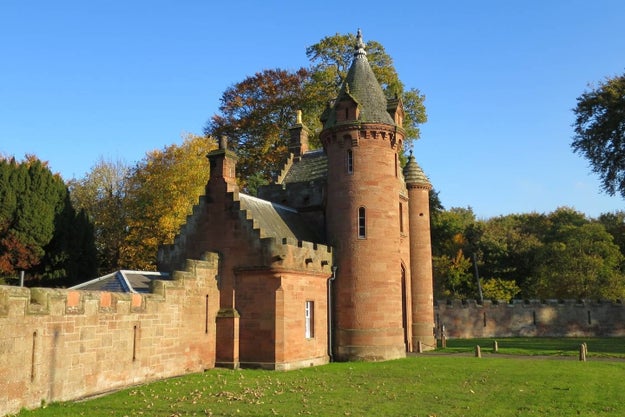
point(81, 80)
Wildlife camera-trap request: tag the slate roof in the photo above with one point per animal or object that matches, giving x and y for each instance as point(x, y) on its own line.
point(123, 281)
point(311, 167)
point(276, 220)
point(413, 174)
point(361, 86)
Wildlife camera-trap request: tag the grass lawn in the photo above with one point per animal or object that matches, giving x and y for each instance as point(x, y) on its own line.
point(597, 346)
point(422, 385)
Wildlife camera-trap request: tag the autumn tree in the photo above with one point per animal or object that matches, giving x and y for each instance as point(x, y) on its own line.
point(160, 192)
point(452, 265)
point(600, 132)
point(100, 193)
point(256, 113)
point(15, 255)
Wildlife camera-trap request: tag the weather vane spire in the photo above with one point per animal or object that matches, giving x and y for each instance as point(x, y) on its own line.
point(360, 45)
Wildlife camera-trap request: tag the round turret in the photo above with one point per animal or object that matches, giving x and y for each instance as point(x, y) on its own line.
point(365, 190)
point(421, 284)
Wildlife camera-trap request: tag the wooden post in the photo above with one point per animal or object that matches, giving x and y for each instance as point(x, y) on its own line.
point(495, 347)
point(478, 351)
point(443, 337)
point(582, 352)
point(419, 347)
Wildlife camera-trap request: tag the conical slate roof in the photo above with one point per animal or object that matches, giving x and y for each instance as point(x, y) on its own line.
point(361, 86)
point(414, 175)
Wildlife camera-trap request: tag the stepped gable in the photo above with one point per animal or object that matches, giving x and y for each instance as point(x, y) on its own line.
point(276, 220)
point(313, 166)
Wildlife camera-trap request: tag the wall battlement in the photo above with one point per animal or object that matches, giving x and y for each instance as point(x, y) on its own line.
point(529, 318)
point(58, 345)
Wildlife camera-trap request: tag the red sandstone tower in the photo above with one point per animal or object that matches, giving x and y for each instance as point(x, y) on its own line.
point(422, 311)
point(366, 216)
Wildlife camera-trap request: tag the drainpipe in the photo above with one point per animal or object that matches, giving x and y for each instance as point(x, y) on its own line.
point(334, 268)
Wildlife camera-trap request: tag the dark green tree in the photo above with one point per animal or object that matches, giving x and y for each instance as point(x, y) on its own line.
point(508, 248)
point(600, 132)
point(40, 231)
point(614, 224)
point(331, 58)
point(580, 262)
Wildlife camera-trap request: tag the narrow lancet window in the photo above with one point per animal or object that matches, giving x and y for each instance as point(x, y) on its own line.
point(350, 162)
point(362, 223)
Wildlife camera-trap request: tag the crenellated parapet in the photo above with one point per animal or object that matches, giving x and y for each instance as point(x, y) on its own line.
point(63, 344)
point(300, 255)
point(528, 318)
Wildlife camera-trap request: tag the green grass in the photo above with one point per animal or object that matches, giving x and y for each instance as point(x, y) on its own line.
point(423, 385)
point(550, 346)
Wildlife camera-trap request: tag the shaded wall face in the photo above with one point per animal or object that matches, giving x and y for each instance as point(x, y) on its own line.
point(530, 319)
point(256, 302)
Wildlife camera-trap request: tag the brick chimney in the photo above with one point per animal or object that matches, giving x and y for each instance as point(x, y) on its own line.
point(223, 163)
point(298, 143)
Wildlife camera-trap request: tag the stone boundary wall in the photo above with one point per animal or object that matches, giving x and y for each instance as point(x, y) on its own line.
point(59, 345)
point(533, 318)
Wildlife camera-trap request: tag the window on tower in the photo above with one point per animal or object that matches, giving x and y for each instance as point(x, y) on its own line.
point(396, 165)
point(350, 162)
point(362, 223)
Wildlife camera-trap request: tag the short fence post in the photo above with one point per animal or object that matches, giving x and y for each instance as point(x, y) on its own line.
point(495, 346)
point(419, 347)
point(443, 337)
point(478, 351)
point(582, 352)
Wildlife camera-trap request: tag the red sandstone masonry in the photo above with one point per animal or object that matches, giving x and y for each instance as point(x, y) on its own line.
point(58, 345)
point(550, 318)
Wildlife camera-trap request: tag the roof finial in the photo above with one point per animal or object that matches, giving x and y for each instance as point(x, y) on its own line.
point(360, 45)
point(298, 117)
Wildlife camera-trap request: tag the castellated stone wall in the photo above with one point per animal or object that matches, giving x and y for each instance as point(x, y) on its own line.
point(58, 345)
point(533, 318)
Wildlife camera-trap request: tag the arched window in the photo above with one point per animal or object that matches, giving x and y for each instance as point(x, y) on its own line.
point(350, 162)
point(362, 223)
